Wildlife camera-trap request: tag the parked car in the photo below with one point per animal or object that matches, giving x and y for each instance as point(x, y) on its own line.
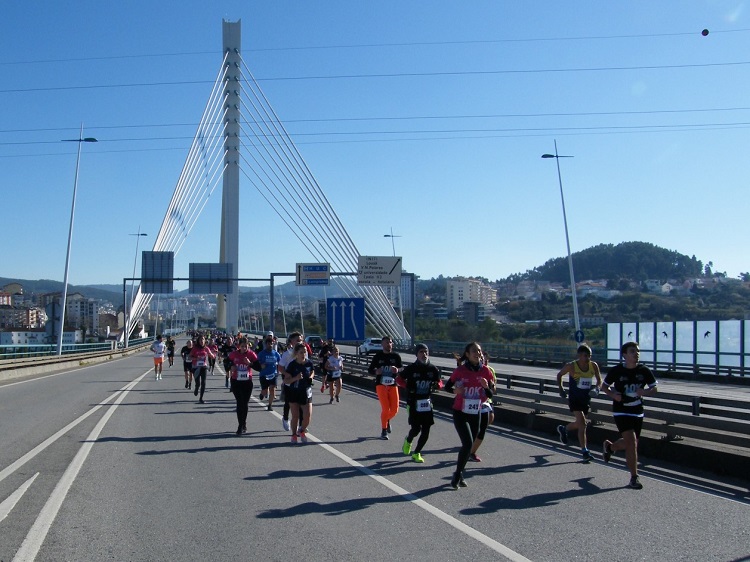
point(315, 342)
point(371, 345)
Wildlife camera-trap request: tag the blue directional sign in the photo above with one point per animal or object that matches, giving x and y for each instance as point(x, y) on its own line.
point(345, 319)
point(580, 336)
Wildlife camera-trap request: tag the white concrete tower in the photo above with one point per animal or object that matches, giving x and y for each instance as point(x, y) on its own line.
point(228, 305)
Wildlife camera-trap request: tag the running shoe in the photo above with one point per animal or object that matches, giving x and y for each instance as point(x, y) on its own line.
point(244, 429)
point(260, 396)
point(406, 447)
point(294, 439)
point(186, 384)
point(337, 399)
point(635, 483)
point(239, 430)
point(303, 436)
point(195, 392)
point(607, 451)
point(455, 480)
point(462, 483)
point(270, 409)
point(384, 434)
point(330, 401)
point(586, 454)
point(474, 458)
point(562, 432)
point(201, 401)
point(285, 424)
point(323, 388)
point(388, 427)
point(417, 457)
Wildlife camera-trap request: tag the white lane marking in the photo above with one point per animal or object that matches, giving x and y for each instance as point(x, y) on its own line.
point(10, 502)
point(38, 532)
point(450, 520)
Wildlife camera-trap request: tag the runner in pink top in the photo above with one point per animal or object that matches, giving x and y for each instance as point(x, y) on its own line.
point(472, 383)
point(200, 355)
point(241, 373)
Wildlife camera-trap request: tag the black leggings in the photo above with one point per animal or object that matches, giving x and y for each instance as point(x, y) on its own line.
point(424, 434)
point(242, 391)
point(199, 375)
point(484, 421)
point(467, 427)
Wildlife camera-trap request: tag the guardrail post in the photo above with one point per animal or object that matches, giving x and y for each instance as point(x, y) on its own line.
point(508, 383)
point(696, 405)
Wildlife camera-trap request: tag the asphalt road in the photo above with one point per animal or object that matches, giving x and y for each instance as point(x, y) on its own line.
point(105, 463)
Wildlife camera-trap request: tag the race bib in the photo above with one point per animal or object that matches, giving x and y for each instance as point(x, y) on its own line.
point(471, 406)
point(424, 405)
point(157, 354)
point(335, 374)
point(387, 380)
point(584, 384)
point(309, 392)
point(242, 373)
point(200, 362)
point(486, 407)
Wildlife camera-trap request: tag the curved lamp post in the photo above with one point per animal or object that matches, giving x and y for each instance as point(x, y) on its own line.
point(557, 157)
point(79, 140)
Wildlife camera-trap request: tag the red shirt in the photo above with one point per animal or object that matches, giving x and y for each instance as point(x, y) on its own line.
point(200, 356)
point(242, 370)
point(470, 401)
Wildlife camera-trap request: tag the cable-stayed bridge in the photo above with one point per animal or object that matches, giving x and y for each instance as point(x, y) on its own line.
point(241, 141)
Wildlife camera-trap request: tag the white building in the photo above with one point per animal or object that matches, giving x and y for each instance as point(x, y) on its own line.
point(461, 290)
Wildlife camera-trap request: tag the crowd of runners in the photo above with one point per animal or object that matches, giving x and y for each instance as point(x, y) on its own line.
point(290, 371)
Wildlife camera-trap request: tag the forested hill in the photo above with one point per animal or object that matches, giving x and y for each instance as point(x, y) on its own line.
point(628, 260)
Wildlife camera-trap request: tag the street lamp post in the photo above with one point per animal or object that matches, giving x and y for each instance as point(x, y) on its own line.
point(557, 157)
point(79, 140)
point(126, 320)
point(400, 299)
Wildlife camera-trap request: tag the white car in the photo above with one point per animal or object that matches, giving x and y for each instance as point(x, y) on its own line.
point(371, 345)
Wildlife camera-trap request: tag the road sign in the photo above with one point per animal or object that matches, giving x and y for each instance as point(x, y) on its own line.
point(345, 319)
point(157, 271)
point(580, 336)
point(379, 270)
point(313, 274)
point(211, 278)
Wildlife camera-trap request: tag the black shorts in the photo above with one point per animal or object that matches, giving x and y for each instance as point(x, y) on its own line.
point(331, 379)
point(579, 404)
point(629, 423)
point(187, 366)
point(266, 383)
point(170, 353)
point(301, 396)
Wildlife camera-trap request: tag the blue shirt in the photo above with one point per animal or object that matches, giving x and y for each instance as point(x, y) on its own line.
point(271, 360)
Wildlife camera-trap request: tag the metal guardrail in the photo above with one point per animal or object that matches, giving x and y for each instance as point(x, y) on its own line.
point(44, 350)
point(671, 415)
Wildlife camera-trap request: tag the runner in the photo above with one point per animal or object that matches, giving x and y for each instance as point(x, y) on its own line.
point(298, 376)
point(473, 383)
point(170, 350)
point(385, 365)
point(333, 366)
point(326, 349)
point(212, 360)
point(287, 357)
point(581, 373)
point(486, 415)
point(268, 359)
point(158, 349)
point(226, 349)
point(200, 354)
point(242, 380)
point(626, 384)
point(187, 362)
point(419, 379)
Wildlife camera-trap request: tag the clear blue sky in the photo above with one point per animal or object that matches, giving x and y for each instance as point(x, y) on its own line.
point(457, 101)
